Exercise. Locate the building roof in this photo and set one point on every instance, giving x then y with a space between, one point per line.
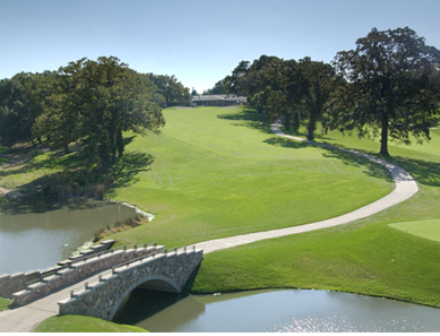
220 97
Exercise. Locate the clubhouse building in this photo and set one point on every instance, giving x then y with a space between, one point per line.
217 100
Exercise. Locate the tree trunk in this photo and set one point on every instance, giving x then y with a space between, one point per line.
296 120
111 136
104 153
120 142
66 149
105 166
384 135
311 126
287 121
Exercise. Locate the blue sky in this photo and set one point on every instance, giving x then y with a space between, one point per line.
200 42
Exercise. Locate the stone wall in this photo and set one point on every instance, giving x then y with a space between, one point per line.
13 283
103 298
77 271
10 284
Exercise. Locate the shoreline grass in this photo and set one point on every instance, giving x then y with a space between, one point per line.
78 323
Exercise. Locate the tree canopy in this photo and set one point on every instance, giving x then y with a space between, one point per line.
285 88
89 103
173 92
391 86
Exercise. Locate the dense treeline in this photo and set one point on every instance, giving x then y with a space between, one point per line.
87 103
388 86
169 92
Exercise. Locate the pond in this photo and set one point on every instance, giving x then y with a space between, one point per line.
35 235
274 311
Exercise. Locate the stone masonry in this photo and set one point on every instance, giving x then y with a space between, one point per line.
164 271
10 284
75 272
14 283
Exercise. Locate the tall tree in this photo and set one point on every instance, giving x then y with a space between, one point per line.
21 102
62 120
116 99
93 103
390 86
316 83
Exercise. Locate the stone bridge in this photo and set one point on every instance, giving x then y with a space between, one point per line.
163 271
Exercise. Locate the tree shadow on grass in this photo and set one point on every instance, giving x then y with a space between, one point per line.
249 118
424 172
42 205
51 191
371 169
128 140
125 171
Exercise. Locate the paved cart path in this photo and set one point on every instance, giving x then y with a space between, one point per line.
405 188
27 317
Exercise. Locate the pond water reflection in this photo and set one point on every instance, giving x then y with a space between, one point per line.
36 234
274 311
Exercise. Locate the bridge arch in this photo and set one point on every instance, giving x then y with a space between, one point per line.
153 282
163 272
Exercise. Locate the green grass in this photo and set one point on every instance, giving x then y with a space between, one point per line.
5 304
367 256
76 323
221 172
37 166
428 229
370 259
3 160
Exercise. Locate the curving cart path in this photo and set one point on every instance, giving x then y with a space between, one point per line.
405 188
24 319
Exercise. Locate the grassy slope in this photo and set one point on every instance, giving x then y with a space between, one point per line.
221 172
75 323
367 256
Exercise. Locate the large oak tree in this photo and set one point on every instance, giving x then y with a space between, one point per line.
391 87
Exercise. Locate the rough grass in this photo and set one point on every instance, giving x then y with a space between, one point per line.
37 166
5 304
219 173
367 256
76 323
428 229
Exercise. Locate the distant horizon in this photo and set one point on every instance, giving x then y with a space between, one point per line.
197 41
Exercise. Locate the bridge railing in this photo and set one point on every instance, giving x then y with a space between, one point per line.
164 251
132 261
86 258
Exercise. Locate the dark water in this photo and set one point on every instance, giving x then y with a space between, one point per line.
275 311
36 235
